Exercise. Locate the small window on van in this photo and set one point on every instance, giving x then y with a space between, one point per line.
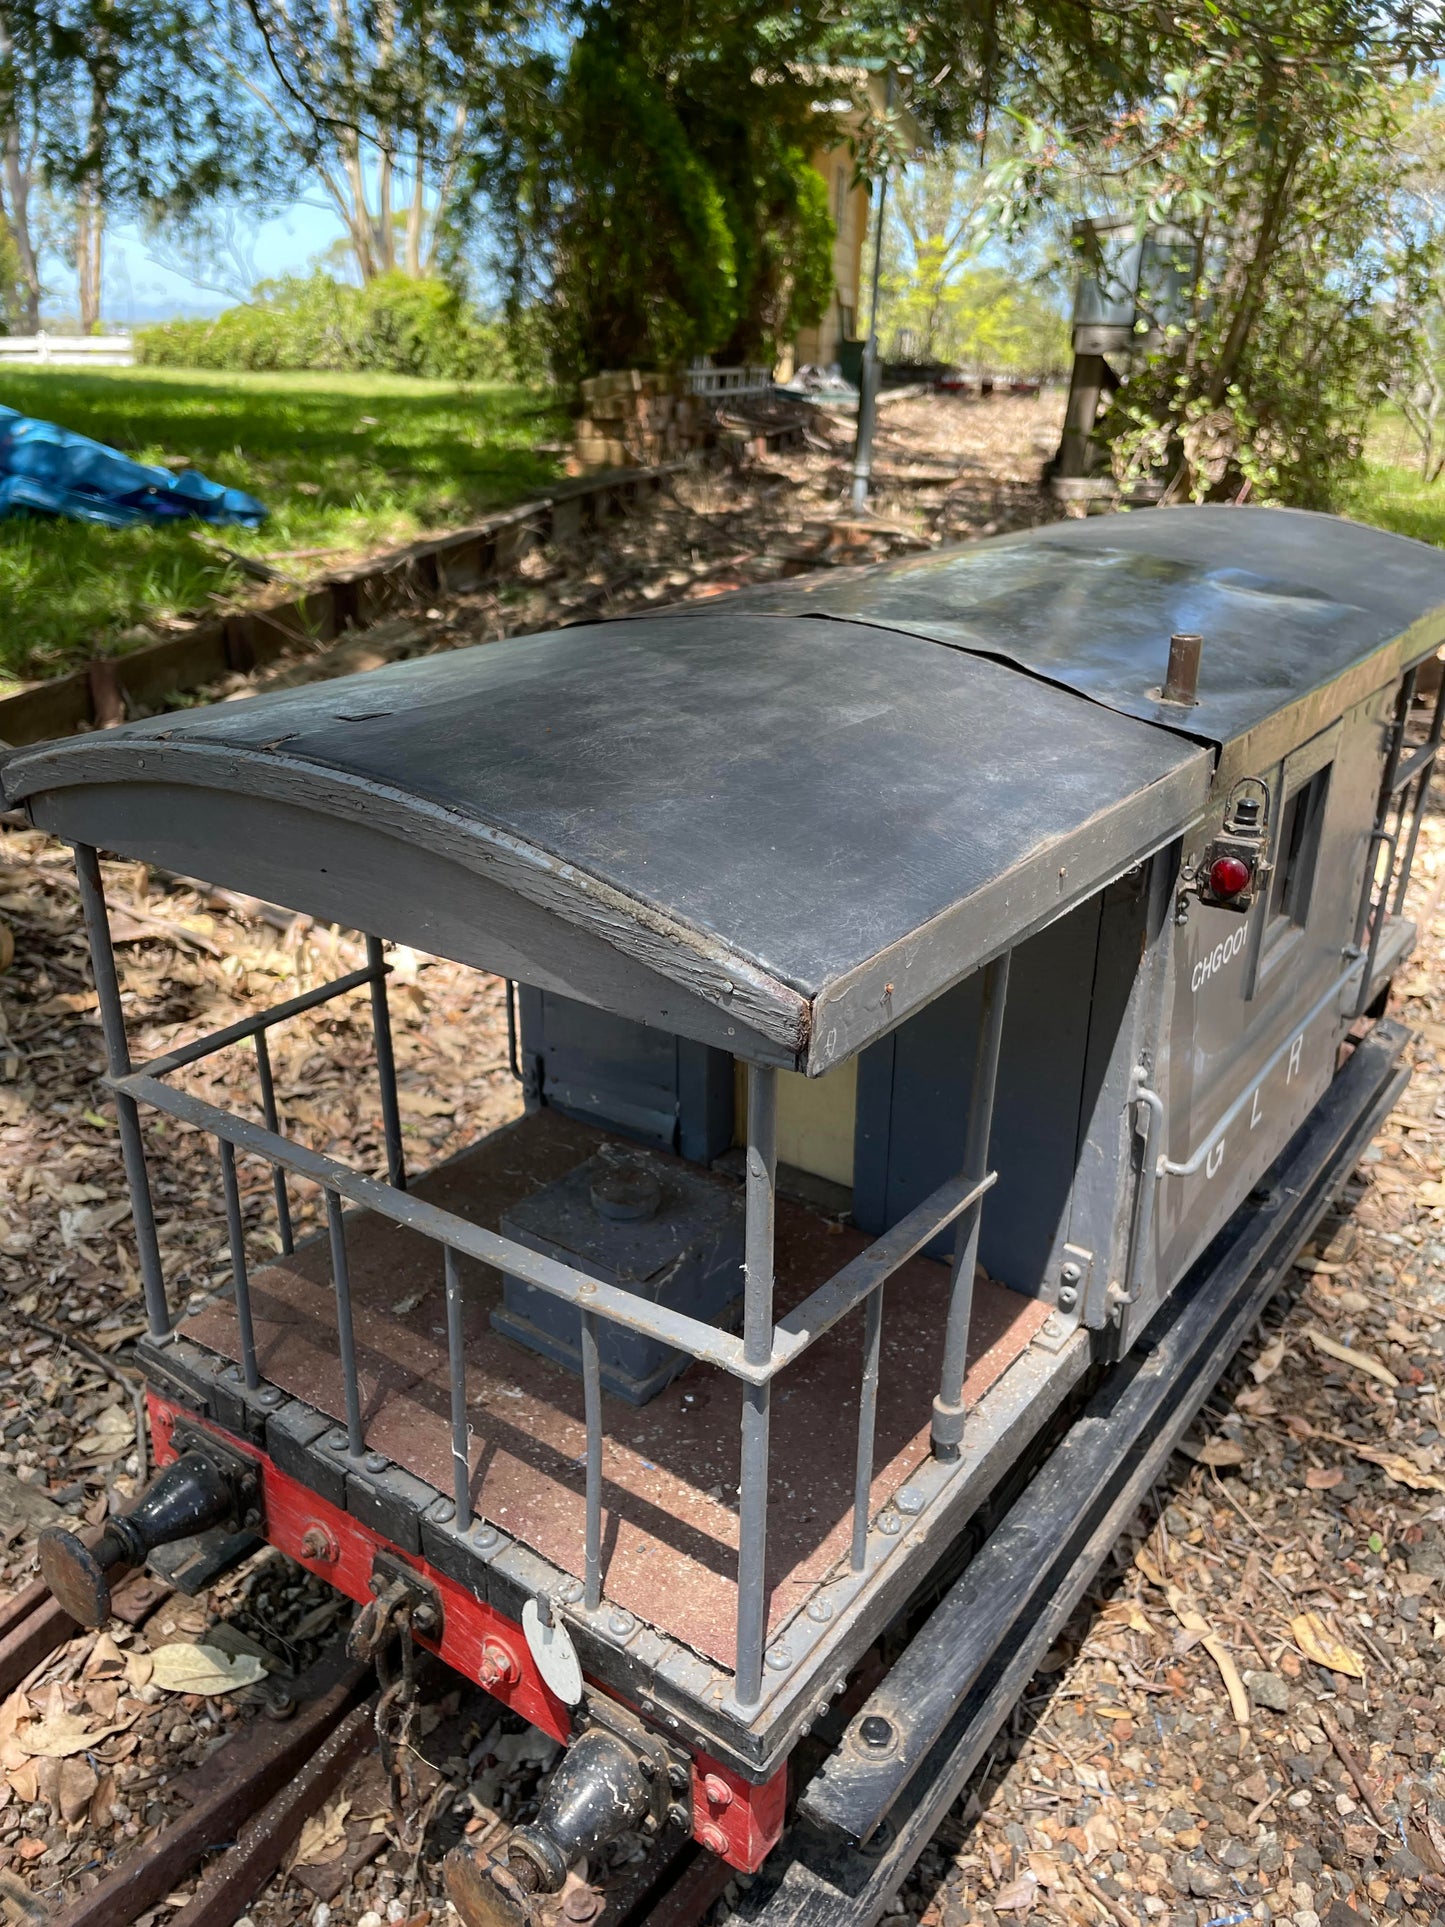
1297 852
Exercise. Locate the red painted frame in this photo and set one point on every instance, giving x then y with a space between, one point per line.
732 1817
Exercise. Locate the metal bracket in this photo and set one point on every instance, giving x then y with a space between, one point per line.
402 1601
240 1471
667 1770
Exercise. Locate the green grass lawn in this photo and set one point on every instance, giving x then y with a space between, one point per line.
1392 493
345 463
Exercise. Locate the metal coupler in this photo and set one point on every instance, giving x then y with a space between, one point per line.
200 1489
609 1780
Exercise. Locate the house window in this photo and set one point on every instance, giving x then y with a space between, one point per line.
1296 853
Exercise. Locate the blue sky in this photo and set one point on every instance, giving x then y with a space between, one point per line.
138 288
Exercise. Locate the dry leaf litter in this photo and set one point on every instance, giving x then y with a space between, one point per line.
1246 1719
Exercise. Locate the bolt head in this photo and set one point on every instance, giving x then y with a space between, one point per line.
779 1659
712 1837
375 1461
717 1790
271 1397
1068 1297
336 1441
875 1732
1070 1273
440 1511
820 1611
620 1624
909 1499
678 1815
890 1523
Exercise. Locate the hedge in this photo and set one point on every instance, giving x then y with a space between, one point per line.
392 325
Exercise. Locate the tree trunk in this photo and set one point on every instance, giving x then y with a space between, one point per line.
416 218
17 204
89 249
1266 233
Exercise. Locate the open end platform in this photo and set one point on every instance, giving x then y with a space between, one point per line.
671 1467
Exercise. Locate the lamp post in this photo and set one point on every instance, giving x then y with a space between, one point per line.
868 388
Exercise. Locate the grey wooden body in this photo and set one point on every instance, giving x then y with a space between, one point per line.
816 825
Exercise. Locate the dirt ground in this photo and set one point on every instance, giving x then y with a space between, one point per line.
1246 1720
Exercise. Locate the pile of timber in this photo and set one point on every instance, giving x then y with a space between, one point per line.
631 420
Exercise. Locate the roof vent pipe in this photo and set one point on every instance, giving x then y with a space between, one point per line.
1181 680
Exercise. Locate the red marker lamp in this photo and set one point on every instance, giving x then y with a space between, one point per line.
1229 876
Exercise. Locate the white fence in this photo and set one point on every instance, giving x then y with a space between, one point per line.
718 384
67 351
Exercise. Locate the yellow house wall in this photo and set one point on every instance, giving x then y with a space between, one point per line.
816 1118
848 204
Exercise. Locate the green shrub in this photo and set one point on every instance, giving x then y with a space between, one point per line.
392 325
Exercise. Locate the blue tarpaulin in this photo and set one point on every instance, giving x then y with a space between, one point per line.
52 470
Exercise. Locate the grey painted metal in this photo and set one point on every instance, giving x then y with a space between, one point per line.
867 1429
1167 1167
675 820
266 1084
761 1185
385 1064
240 1276
948 1407
117 1051
1422 770
592 1414
690 1334
457 1377
345 1331
1286 602
914 1093
685 1253
1236 1290
857 1280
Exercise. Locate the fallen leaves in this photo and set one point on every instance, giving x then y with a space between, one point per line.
323 1838
62 1733
1346 1355
183 1668
1193 1621
1317 1642
1271 1357
1401 1470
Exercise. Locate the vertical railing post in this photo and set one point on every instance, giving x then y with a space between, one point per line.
948 1411
385 1064
592 1413
345 1332
273 1123
117 1050
867 1426
457 1371
762 1173
1422 790
240 1277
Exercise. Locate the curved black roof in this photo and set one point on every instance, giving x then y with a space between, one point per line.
756 828
1285 600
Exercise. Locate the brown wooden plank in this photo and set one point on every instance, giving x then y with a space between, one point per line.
39 1633
263 1759
235 1879
55 708
21 1604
